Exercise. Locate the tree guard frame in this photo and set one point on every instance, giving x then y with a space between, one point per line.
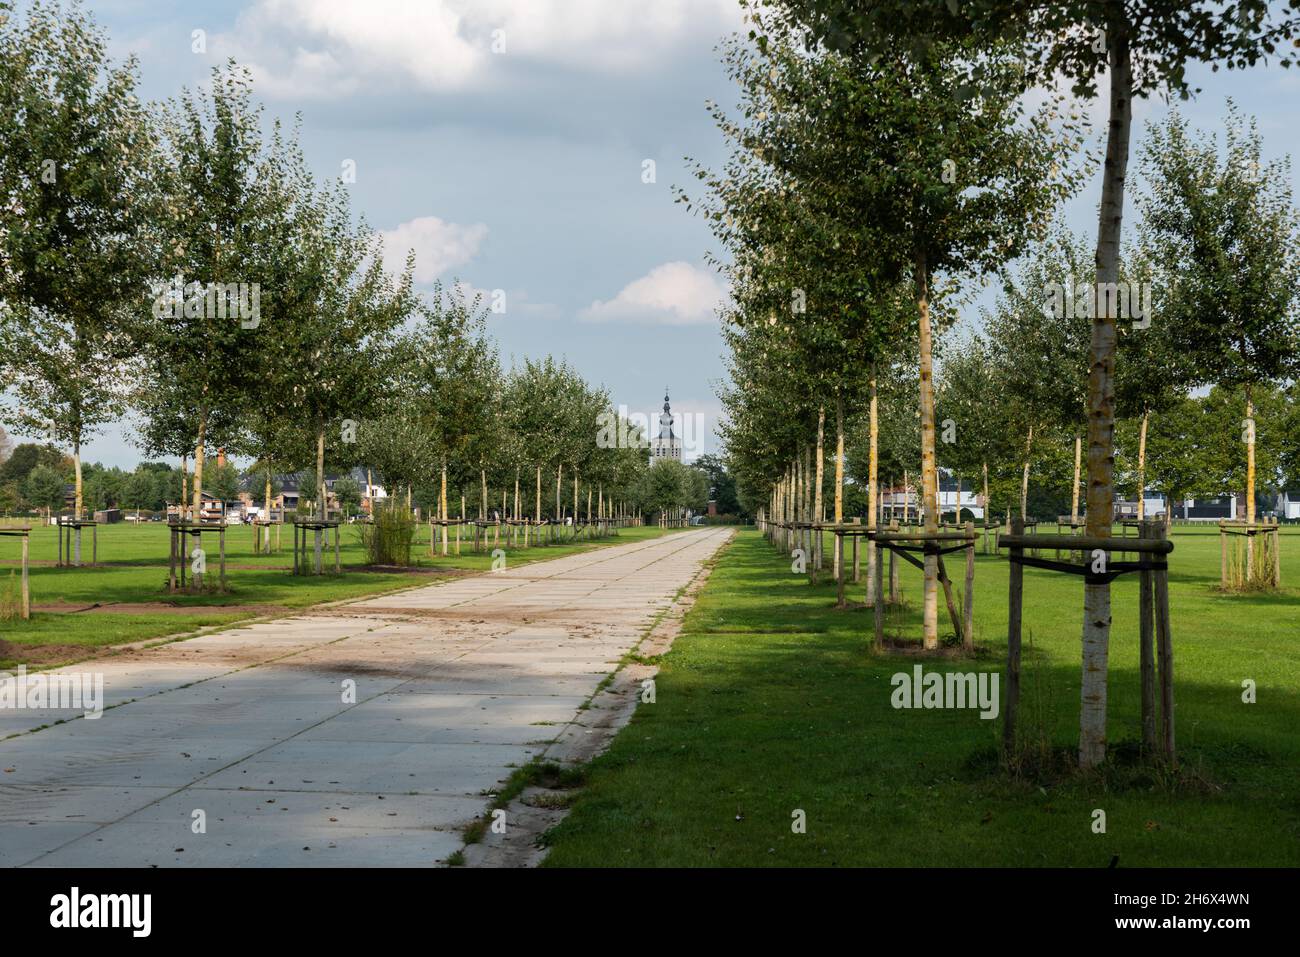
25 598
1152 567
180 554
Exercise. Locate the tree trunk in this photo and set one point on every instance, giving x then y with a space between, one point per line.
1101 400
987 509
322 506
1142 466
1024 479
442 507
820 475
483 506
873 487
185 479
839 486
199 454
929 474
76 465
1250 459
559 474
1074 489
1250 485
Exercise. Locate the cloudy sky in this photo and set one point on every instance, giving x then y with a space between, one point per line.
506 141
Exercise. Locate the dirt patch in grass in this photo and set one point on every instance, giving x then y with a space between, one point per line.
43 654
158 607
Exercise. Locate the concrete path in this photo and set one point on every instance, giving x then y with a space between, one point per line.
456 684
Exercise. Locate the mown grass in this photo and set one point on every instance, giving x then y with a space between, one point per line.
133 571
770 702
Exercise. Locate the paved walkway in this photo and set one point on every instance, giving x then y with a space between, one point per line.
455 684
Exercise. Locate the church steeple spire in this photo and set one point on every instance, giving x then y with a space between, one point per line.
666 445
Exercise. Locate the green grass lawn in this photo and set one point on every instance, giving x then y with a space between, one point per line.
133 572
770 702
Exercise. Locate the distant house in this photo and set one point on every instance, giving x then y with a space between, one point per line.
1285 505
212 509
1153 506
956 504
252 493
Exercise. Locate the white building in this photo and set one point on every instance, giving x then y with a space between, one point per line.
667 444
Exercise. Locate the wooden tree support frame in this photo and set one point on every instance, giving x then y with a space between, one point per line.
1152 547
907 545
1259 565
262 536
25 595
181 554
70 550
301 565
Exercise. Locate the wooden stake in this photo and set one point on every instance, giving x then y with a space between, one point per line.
27 595
1165 649
879 601
968 610
1015 595
1146 651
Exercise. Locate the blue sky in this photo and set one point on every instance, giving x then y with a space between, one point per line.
521 169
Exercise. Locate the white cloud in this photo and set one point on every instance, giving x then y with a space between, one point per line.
439 246
320 48
674 294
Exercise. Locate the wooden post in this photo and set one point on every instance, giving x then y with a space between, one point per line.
1015 597
839 569
880 595
1165 650
1277 554
893 568
1223 556
947 596
968 610
1146 648
27 595
856 566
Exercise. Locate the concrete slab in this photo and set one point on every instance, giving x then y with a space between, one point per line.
363 735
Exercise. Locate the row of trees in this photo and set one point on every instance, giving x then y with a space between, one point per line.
885 162
179 262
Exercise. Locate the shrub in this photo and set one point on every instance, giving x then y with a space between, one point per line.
387 537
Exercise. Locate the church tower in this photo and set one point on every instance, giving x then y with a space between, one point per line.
667 445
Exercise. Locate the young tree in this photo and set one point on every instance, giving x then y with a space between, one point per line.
44 489
975 403
75 154
348 494
1146 45
1040 330
956 186
448 373
1230 230
329 360
217 199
